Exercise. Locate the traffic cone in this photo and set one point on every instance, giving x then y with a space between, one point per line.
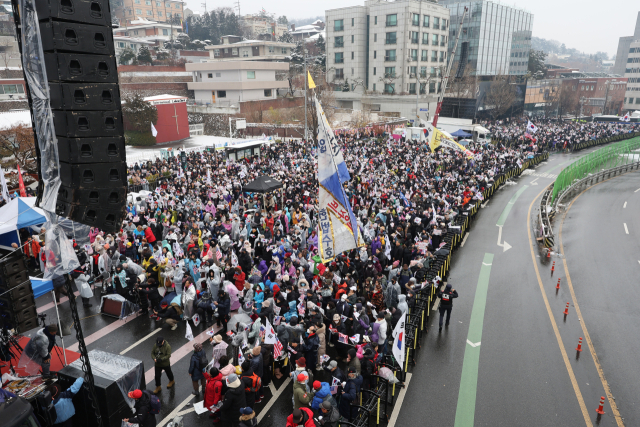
558 285
600 409
566 310
579 344
553 267
548 253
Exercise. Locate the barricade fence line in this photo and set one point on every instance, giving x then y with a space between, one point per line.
375 405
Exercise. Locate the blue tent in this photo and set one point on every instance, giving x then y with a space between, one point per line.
461 133
18 213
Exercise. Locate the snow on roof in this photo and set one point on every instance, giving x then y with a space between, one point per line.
13 118
132 39
165 96
305 29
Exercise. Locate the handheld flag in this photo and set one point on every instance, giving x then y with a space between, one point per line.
277 348
189 334
436 138
270 335
218 254
23 191
154 132
240 357
355 339
398 340
291 350
531 127
312 84
625 118
5 189
234 259
343 338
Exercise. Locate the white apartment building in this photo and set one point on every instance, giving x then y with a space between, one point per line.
151 31
380 54
255 25
230 82
123 42
233 48
632 73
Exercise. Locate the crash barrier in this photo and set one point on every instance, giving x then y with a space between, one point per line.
601 141
605 158
545 216
374 406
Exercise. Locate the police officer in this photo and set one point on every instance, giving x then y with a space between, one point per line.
446 303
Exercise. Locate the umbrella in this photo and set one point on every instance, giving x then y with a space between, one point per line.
461 133
262 184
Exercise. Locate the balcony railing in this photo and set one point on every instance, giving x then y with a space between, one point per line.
441 59
339 60
391 24
338 44
390 41
338 28
436 26
389 58
415 40
339 76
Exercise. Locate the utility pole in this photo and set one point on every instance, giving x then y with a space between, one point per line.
304 50
205 7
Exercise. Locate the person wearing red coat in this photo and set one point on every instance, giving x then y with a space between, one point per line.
213 391
239 278
148 234
301 417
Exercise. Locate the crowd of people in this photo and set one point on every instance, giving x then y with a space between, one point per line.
198 251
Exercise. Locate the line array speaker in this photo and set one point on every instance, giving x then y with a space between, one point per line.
17 303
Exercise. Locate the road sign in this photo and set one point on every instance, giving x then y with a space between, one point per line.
424 109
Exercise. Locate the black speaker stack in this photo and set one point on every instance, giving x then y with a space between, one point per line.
79 55
17 305
464 58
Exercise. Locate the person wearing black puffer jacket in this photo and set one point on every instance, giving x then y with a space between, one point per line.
446 303
143 417
234 400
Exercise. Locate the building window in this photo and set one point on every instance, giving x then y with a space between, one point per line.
137 1
415 37
222 94
425 56
149 13
245 53
138 11
234 51
425 38
169 14
436 23
425 21
352 71
352 55
210 75
412 71
267 93
390 38
392 20
158 4
444 24
374 85
374 71
389 72
165 32
339 42
434 39
216 52
251 74
353 38
284 50
135 32
414 54
338 25
218 74
390 55
412 88
339 58
147 2
415 19
434 56
167 4
339 73
374 54
159 14
423 71
272 49
423 88
630 100
637 100
353 21
121 44
389 88
432 87
375 22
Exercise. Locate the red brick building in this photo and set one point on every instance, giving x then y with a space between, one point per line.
598 95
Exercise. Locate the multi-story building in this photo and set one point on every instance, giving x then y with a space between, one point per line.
256 25
234 49
147 30
161 11
498 36
632 74
121 43
232 82
380 54
307 31
595 93
624 44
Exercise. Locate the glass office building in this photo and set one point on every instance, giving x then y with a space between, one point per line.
498 36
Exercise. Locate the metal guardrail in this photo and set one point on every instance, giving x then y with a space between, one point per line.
604 158
545 216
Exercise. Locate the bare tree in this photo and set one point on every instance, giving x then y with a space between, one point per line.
7 52
501 96
464 87
568 102
17 147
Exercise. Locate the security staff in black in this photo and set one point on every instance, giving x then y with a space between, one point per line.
446 303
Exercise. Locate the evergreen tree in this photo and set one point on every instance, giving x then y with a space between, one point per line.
286 37
144 56
320 44
138 113
127 55
283 20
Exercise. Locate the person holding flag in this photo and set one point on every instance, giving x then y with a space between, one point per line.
446 303
531 128
398 349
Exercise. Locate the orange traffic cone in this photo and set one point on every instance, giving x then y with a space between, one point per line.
600 409
579 344
566 309
553 267
558 285
548 253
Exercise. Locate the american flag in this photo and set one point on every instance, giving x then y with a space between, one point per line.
262 330
218 254
343 338
277 349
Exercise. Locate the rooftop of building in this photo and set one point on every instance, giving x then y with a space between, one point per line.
588 75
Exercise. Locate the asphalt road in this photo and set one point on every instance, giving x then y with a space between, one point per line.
508 358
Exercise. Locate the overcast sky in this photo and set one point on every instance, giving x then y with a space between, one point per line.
587 25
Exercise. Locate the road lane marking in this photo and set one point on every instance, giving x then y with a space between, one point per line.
505 246
507 209
625 205
626 230
273 399
398 405
594 355
132 346
52 304
466 407
636 190
464 240
103 332
554 325
176 411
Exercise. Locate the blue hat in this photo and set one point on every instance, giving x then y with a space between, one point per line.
246 410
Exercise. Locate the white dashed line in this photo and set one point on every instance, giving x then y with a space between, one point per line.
624 206
637 190
626 230
464 240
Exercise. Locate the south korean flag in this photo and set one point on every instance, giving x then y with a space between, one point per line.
531 127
